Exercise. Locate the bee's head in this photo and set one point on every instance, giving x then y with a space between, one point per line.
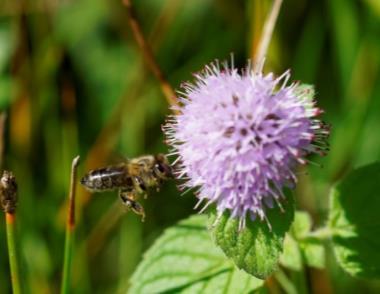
91 184
86 182
162 167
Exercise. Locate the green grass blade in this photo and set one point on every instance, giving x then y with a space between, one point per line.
70 230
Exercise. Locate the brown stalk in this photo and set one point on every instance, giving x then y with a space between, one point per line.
148 54
266 36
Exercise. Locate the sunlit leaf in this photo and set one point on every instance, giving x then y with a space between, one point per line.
184 260
300 250
313 253
291 256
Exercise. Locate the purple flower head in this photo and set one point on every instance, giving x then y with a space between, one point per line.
239 137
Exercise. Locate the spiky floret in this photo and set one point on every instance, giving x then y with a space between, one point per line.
239 136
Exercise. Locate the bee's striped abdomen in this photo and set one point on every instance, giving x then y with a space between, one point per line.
108 178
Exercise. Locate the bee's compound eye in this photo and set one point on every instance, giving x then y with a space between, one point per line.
83 180
160 168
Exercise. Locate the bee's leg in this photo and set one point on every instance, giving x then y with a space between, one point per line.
139 184
135 207
158 185
128 199
159 182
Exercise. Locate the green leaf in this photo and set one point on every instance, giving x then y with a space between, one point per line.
355 222
299 249
291 256
301 225
311 250
313 253
256 249
184 260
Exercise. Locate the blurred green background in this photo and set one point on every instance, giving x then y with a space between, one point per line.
73 81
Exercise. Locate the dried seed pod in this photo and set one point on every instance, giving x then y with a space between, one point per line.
8 192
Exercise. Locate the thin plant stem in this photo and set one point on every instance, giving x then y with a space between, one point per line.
8 197
10 219
3 117
267 33
303 280
70 229
300 278
285 282
148 54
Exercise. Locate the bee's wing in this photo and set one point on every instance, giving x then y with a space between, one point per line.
117 158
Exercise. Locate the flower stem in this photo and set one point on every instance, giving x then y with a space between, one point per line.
285 282
304 284
3 117
148 54
8 201
70 229
267 33
10 219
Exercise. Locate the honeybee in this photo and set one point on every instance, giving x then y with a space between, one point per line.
132 179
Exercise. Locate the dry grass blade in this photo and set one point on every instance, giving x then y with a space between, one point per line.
148 54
